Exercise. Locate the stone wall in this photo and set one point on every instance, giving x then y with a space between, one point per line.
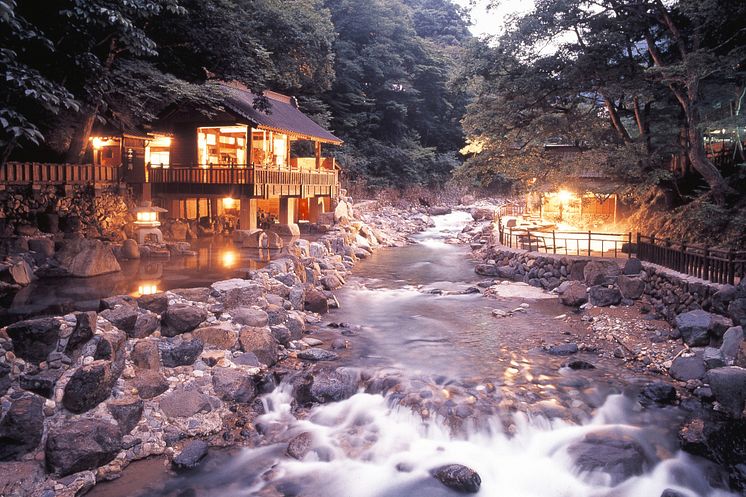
667 292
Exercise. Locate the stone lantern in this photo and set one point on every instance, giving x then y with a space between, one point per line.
147 223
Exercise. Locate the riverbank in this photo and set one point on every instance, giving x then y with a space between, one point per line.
85 394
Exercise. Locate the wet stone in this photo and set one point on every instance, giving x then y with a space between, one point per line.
299 446
127 411
458 477
21 427
178 352
315 354
34 339
658 392
563 349
181 318
123 317
191 455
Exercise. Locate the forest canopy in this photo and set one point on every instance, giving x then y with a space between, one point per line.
376 71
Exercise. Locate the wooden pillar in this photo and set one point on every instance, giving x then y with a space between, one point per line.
288 210
247 213
173 205
615 207
213 207
315 208
318 155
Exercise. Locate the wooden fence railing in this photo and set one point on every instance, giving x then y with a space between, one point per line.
701 261
239 175
23 173
580 243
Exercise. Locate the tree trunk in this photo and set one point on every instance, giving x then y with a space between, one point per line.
703 165
616 120
79 140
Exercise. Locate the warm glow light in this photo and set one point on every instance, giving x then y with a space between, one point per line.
97 142
229 203
229 258
147 217
147 289
564 195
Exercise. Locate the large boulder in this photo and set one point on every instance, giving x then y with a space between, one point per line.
260 342
574 293
250 316
737 311
729 388
17 272
150 383
315 301
325 386
82 257
617 455
694 327
81 444
604 296
22 426
233 385
34 339
146 324
632 267
731 349
181 318
130 249
482 214
127 412
178 352
601 272
238 292
191 455
688 368
262 240
458 477
90 385
631 287
184 403
222 336
156 302
85 325
145 355
123 317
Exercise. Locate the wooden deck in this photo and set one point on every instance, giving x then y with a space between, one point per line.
251 181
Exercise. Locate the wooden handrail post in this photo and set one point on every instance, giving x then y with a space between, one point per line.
589 243
731 269
554 242
706 269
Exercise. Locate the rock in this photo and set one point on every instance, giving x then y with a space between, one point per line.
156 302
250 316
458 477
116 301
315 354
238 292
42 383
330 282
191 455
737 311
617 455
260 342
343 212
574 294
729 388
197 294
315 301
81 444
130 249
601 272
281 334
90 385
247 359
218 337
657 392
42 246
182 403
732 344
632 266
688 368
150 384
299 445
579 365
563 349
127 412
123 317
694 326
145 354
631 287
603 296
181 318
482 214
34 339
22 426
145 325
85 325
82 257
439 210
179 352
669 492
17 272
233 385
713 358
325 386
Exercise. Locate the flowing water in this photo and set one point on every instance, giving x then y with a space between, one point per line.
455 385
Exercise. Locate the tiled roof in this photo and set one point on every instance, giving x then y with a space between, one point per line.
283 114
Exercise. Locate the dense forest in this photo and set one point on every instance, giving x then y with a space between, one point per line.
376 71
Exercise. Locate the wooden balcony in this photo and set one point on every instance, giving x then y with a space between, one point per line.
40 173
242 180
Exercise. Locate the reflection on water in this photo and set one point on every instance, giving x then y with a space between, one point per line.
217 258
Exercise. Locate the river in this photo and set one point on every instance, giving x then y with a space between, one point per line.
458 386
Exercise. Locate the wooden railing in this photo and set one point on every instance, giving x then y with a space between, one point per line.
580 243
240 175
701 261
25 173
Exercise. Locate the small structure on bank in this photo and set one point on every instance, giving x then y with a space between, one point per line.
585 199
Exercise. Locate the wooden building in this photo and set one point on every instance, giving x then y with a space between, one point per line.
242 159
